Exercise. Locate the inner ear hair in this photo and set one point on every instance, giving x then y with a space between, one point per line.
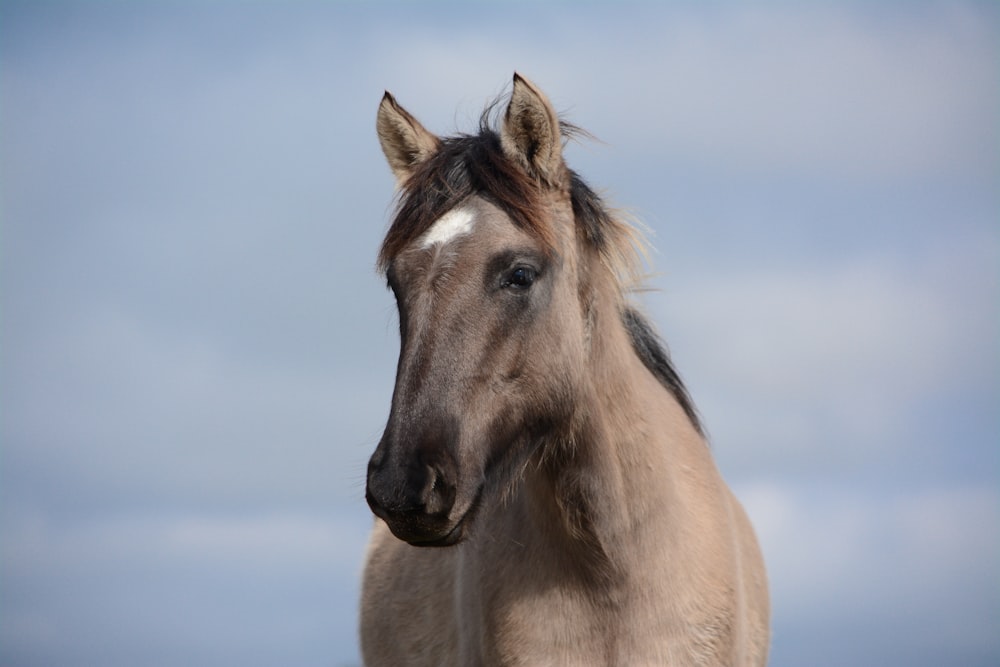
405 142
530 134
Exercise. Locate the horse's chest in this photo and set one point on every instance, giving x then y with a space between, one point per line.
518 611
539 615
552 630
547 628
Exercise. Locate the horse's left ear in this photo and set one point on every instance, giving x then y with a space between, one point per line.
530 134
405 142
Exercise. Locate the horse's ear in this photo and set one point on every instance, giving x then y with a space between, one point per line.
405 142
530 134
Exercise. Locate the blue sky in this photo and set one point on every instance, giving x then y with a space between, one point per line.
196 356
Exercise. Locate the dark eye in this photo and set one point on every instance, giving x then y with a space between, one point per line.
520 278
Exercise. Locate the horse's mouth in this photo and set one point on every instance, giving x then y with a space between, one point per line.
455 534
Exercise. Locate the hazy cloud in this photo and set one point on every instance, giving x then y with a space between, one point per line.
878 563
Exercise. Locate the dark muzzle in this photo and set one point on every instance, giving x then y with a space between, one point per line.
413 490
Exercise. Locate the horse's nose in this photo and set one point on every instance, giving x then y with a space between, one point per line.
414 498
421 489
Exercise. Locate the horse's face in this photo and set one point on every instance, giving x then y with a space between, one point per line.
491 327
491 345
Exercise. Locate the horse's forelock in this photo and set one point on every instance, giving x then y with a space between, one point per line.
465 166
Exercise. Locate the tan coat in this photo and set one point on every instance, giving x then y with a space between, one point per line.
540 434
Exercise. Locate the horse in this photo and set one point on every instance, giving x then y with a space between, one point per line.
543 490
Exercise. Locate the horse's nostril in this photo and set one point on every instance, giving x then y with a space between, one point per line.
413 482
427 490
438 494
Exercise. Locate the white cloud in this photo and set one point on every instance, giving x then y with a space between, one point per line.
889 560
825 89
788 360
156 588
163 416
267 542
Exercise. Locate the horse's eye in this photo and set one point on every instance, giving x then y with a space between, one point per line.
520 278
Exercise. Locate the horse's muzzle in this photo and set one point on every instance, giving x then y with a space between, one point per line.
415 501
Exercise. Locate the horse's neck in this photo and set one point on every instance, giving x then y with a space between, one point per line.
610 485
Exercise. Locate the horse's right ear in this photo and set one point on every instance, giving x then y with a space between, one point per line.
405 142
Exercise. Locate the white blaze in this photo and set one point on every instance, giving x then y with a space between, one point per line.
454 223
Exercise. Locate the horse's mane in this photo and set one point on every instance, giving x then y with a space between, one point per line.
654 355
475 164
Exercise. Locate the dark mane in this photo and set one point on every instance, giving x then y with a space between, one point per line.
475 165
654 355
